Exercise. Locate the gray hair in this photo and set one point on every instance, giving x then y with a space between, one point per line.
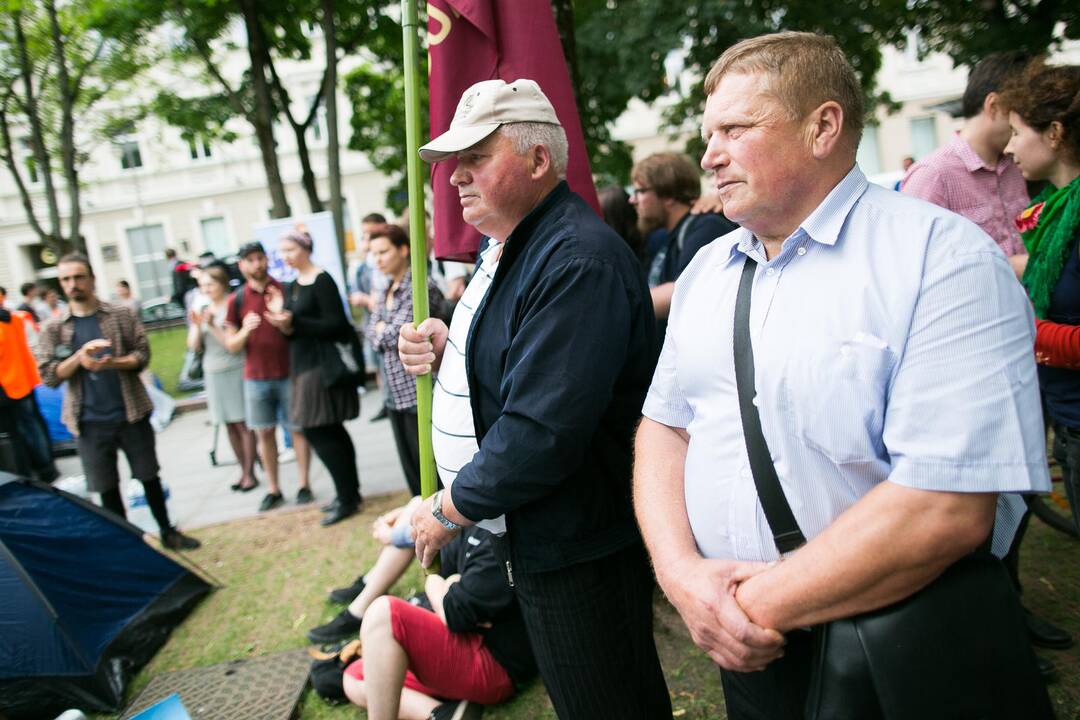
525 135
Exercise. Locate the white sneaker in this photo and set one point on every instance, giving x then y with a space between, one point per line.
286 455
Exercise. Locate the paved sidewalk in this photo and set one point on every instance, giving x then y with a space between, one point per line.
200 493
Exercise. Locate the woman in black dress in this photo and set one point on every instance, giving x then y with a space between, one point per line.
312 315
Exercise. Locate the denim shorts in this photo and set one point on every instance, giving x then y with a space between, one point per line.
266 403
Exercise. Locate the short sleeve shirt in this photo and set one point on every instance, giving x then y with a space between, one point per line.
267 350
891 342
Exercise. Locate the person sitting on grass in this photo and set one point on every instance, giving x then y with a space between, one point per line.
392 530
469 650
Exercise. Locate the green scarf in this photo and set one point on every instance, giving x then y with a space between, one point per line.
1055 213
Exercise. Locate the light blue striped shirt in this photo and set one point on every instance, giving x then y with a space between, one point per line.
891 342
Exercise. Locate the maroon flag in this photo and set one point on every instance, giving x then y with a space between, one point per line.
474 40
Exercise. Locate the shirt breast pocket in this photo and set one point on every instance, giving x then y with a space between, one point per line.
841 412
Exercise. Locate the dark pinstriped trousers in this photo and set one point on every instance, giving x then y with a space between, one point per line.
590 626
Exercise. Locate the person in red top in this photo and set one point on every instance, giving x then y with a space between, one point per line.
266 373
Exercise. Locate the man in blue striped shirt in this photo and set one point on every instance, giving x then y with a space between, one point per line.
894 373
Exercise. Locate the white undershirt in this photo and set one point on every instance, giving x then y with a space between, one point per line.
453 436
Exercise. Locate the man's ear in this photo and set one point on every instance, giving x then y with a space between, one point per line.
540 161
826 126
990 104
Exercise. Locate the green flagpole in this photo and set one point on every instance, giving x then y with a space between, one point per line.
417 233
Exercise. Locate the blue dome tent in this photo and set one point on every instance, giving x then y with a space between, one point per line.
84 602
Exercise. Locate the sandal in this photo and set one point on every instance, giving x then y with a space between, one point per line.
240 487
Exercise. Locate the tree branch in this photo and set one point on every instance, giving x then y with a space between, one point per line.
80 75
13 167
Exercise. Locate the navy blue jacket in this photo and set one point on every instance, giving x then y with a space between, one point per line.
559 358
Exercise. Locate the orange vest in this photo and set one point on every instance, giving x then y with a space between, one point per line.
18 369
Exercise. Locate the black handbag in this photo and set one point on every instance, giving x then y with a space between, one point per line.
957 649
327 674
341 362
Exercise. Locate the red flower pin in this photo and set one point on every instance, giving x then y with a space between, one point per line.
1028 219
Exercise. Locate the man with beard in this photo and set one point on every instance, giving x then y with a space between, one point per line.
665 187
266 374
100 349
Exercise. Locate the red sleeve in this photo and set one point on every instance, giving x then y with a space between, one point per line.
1057 344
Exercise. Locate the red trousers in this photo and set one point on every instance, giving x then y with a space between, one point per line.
443 664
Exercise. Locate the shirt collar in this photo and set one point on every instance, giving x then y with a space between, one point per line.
66 314
823 225
971 160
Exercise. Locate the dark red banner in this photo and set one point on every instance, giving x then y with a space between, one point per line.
474 40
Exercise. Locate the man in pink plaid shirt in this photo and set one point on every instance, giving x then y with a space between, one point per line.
971 175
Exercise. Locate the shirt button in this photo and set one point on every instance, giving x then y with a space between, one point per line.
770 271
745 472
801 251
845 350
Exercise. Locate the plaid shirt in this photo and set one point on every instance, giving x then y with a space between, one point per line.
954 177
402 385
118 325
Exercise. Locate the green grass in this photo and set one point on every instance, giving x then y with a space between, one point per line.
277 569
167 347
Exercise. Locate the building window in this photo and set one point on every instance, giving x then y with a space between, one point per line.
215 237
923 136
28 159
868 157
130 157
198 147
153 276
318 125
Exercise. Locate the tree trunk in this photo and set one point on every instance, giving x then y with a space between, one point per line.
332 142
51 238
262 116
307 175
67 131
564 21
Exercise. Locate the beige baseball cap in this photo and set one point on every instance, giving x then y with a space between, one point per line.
483 108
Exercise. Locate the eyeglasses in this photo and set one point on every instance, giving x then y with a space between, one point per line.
640 191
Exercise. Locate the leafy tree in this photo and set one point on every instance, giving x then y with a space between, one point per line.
969 30
58 61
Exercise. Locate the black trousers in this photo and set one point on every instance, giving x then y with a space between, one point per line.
335 448
590 626
407 438
779 691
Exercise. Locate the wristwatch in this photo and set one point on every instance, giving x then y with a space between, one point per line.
436 511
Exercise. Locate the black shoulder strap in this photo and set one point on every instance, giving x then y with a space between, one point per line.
785 529
238 302
680 239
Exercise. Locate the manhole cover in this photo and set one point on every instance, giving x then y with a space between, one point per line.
260 688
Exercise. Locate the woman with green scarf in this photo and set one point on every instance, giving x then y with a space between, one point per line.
1044 106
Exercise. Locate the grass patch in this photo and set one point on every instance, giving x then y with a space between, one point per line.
167 347
277 569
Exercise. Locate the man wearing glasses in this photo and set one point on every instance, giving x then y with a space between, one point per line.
665 187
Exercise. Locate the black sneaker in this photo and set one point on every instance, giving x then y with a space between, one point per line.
457 710
304 496
330 506
176 540
271 501
348 594
343 626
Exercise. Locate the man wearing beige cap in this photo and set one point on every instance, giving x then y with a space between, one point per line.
541 376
